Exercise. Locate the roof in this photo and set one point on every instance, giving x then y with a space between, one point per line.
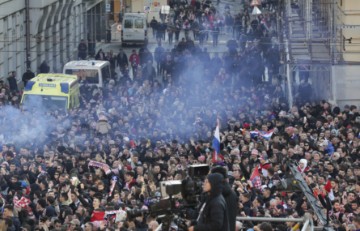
86 63
51 84
57 78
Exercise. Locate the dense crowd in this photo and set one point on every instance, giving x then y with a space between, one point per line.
110 155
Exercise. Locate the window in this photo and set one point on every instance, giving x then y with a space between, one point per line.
139 23
45 102
128 23
89 76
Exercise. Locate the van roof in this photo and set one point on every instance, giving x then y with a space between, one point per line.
55 78
86 63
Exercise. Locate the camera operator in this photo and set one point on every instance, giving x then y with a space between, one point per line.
213 213
229 196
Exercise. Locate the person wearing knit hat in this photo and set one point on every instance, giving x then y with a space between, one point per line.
213 213
229 196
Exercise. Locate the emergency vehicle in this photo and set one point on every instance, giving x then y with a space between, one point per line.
92 72
134 29
51 92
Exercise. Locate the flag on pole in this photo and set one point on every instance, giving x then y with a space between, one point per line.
266 135
255 178
216 157
254 134
329 190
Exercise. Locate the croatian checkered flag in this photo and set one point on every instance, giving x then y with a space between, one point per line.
216 156
22 203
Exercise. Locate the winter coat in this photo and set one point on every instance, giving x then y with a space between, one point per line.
232 205
214 216
103 126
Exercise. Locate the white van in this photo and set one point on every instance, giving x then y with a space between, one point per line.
134 28
93 72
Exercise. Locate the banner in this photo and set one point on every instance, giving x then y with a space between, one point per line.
101 165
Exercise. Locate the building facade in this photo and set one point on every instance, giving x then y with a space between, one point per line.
46 30
323 38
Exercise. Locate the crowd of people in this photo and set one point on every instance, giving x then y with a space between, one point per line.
89 165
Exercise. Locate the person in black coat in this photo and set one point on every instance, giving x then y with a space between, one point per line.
44 67
82 50
122 61
229 196
213 213
27 76
12 81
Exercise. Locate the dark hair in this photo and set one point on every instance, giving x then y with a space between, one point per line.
221 170
260 200
43 219
271 171
246 195
50 199
45 183
265 226
9 153
57 221
65 196
130 173
9 207
42 202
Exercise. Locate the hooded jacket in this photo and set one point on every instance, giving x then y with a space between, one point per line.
103 126
232 205
214 215
305 168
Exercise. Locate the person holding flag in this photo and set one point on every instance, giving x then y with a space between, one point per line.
216 156
255 178
264 164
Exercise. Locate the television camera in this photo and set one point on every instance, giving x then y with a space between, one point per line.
179 200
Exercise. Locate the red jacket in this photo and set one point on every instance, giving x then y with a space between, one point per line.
134 58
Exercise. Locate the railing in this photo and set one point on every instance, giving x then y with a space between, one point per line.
306 220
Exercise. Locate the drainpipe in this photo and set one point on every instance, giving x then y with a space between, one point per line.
27 33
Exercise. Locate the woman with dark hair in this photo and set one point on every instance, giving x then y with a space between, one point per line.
213 213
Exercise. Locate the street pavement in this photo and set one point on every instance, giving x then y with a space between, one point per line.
115 43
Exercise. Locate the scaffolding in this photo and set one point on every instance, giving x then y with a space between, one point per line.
310 47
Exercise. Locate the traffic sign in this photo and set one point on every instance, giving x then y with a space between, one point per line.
108 7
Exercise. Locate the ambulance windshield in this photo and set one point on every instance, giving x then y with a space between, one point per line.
46 102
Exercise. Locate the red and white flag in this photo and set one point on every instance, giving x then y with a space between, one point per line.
329 190
255 178
22 203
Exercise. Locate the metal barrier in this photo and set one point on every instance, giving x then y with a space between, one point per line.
306 220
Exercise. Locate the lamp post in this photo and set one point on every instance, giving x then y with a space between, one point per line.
27 34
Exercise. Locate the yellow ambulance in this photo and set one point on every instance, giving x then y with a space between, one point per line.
51 92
